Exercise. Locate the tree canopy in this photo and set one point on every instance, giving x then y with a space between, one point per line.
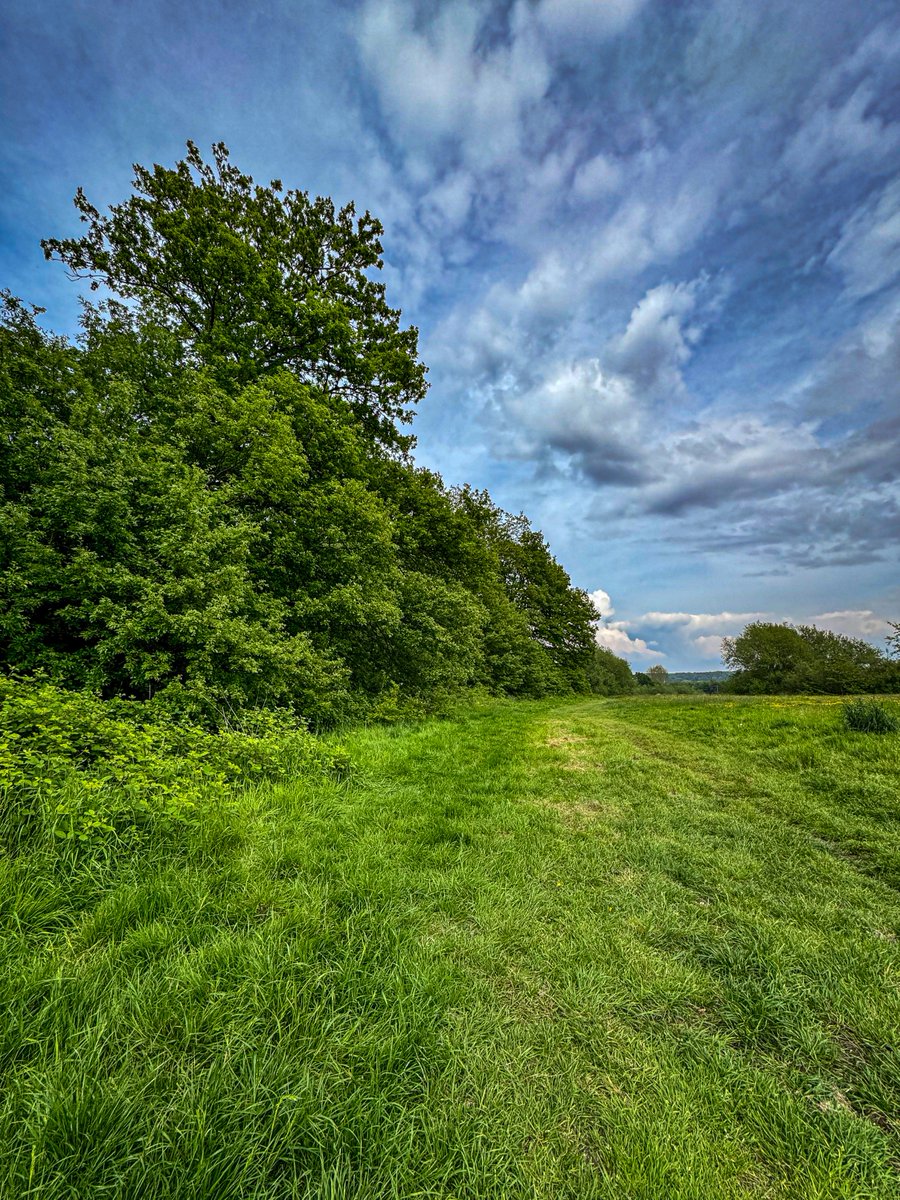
251 279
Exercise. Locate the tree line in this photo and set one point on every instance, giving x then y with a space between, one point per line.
208 500
771 658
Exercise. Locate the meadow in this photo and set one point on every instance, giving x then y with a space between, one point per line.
636 948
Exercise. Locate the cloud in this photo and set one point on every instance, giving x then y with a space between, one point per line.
861 372
692 623
584 414
861 623
833 141
438 80
580 20
692 635
657 341
722 460
597 176
777 479
591 415
614 637
868 251
709 645
601 602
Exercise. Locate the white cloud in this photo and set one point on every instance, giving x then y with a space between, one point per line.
688 636
614 637
861 623
602 602
598 176
835 140
695 622
436 82
709 645
842 130
446 205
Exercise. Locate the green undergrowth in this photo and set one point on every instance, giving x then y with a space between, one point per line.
622 949
76 767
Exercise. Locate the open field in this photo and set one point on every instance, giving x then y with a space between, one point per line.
626 949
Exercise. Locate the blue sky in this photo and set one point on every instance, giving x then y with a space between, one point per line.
652 247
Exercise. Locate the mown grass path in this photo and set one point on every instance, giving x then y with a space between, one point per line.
632 949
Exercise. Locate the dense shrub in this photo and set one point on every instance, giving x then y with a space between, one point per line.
79 767
869 716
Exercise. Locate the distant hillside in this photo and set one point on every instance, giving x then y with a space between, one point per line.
699 676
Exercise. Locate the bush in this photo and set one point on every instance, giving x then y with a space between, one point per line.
81 768
869 716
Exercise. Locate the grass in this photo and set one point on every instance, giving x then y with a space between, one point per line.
625 949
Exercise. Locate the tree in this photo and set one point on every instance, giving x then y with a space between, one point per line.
658 674
836 664
560 617
121 569
206 500
609 675
254 279
765 656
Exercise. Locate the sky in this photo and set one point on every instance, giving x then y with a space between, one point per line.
652 248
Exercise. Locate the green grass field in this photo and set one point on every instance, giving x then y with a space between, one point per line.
625 949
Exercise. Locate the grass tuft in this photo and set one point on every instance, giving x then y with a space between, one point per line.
869 716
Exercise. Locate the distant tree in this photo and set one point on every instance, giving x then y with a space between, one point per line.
836 664
893 639
658 674
768 657
764 656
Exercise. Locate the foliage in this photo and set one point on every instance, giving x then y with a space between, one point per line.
253 279
610 675
206 501
80 767
869 716
767 657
